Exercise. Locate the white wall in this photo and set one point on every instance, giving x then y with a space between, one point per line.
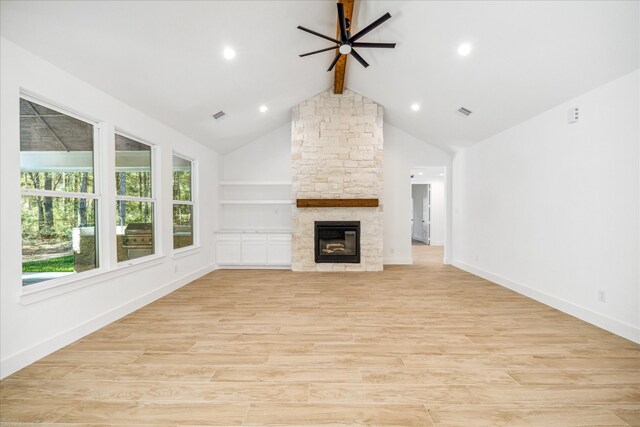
551 209
402 152
31 331
269 158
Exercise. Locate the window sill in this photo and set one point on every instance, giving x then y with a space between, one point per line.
185 252
83 280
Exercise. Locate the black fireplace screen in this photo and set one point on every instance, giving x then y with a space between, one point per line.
337 241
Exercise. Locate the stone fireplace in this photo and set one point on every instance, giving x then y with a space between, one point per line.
336 149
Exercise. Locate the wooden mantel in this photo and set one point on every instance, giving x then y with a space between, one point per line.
337 203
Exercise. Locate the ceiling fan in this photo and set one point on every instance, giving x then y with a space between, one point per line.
347 41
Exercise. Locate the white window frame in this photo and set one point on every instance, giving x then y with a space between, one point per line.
97 196
155 179
193 203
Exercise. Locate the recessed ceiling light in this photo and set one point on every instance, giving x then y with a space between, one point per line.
441 174
229 53
464 49
263 108
415 107
419 173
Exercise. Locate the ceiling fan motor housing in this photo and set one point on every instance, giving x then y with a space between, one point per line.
346 42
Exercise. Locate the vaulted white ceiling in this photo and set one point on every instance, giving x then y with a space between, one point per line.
165 58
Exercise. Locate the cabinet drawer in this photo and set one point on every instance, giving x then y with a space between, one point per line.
228 237
279 237
254 237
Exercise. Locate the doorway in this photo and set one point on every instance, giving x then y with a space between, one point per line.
428 211
421 221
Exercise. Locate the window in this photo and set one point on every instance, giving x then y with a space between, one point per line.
59 198
182 202
135 201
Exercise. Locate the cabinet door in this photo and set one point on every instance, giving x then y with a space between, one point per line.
279 250
228 249
254 249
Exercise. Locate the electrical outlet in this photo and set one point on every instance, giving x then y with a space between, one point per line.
477 257
392 251
573 115
602 295
175 268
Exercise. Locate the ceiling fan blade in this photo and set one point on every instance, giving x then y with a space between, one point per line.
318 51
335 61
342 23
318 34
385 45
369 27
359 58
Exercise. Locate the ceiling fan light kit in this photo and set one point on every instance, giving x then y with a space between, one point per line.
348 42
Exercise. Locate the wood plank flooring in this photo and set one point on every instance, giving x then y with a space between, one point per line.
421 345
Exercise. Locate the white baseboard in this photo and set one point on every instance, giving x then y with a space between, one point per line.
617 327
254 267
397 261
36 352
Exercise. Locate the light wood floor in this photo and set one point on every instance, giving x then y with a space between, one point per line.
415 345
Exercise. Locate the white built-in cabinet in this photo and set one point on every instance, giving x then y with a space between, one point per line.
253 248
256 225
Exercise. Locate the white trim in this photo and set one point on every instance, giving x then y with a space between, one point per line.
135 199
186 251
54 105
254 267
39 292
397 261
52 193
615 326
66 283
256 202
195 229
255 183
17 361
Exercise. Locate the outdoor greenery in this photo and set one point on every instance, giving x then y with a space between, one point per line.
182 185
53 217
48 221
59 264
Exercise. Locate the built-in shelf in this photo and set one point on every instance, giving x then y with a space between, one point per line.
254 183
256 202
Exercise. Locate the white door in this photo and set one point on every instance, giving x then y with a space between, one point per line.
426 215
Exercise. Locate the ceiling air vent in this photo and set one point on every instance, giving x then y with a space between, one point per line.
219 114
463 111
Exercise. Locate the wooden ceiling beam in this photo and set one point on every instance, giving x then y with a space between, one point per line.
341 66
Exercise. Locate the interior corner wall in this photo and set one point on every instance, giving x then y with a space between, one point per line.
550 209
31 331
401 153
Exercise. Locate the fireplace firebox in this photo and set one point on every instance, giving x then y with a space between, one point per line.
337 241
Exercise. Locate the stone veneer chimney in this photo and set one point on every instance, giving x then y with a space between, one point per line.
336 152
